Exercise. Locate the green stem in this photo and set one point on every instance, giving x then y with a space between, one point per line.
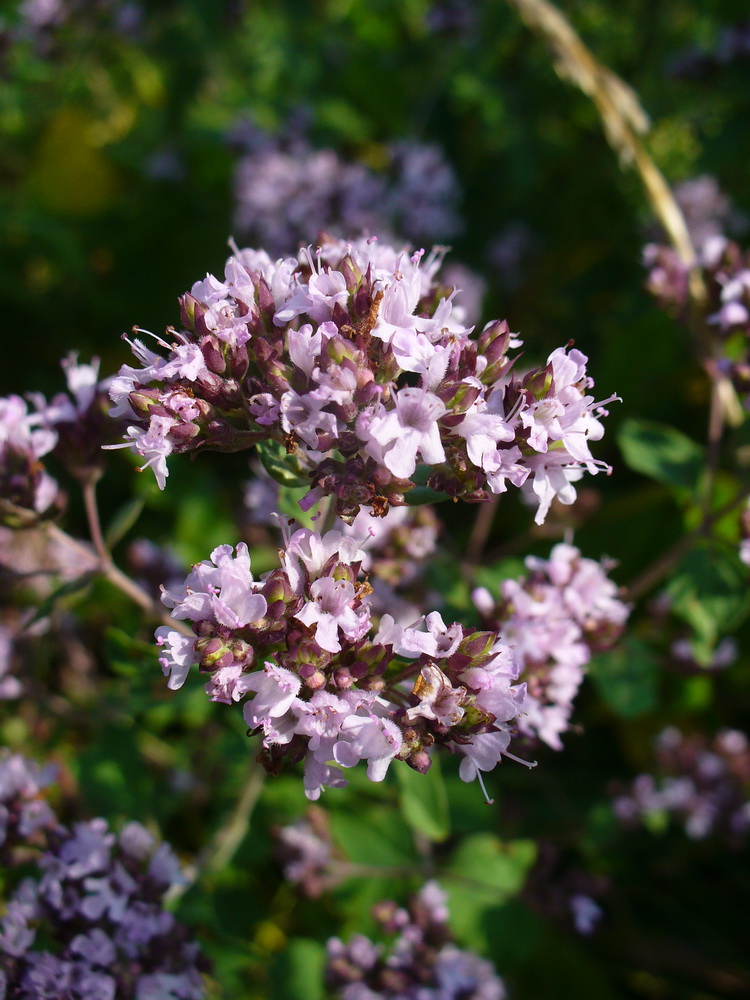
228 838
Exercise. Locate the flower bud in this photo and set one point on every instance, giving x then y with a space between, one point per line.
213 355
420 761
316 680
143 401
343 679
265 299
539 383
181 434
478 643
352 274
238 361
211 652
188 303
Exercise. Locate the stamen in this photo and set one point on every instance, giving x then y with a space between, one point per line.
518 760
487 799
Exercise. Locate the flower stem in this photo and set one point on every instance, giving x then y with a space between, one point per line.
661 566
480 531
228 838
118 579
94 522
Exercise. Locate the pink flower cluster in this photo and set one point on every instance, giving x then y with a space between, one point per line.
725 269
554 619
81 419
397 548
74 426
357 364
28 492
420 963
704 784
325 688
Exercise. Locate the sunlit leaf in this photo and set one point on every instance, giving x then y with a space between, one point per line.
661 452
424 800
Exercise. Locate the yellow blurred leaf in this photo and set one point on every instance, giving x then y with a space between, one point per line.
69 174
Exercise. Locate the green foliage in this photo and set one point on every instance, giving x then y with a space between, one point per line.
709 591
298 972
483 873
67 589
374 838
627 678
661 452
282 466
424 801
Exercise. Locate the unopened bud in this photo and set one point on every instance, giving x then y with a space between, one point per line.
420 761
343 679
539 383
213 355
211 652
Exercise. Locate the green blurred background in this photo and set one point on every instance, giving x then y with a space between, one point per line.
119 146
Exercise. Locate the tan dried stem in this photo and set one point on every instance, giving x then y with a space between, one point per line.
623 119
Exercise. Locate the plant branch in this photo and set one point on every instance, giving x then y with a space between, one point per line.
110 572
228 838
94 522
661 566
329 515
622 117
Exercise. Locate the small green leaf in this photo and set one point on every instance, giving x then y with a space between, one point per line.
421 495
299 971
379 839
284 468
661 453
47 606
424 800
627 678
709 591
484 873
123 521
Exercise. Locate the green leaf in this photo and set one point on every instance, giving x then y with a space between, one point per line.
424 800
709 591
627 678
484 873
284 468
123 521
421 495
47 606
661 453
379 839
299 971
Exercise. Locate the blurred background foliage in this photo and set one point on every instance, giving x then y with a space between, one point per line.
119 127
